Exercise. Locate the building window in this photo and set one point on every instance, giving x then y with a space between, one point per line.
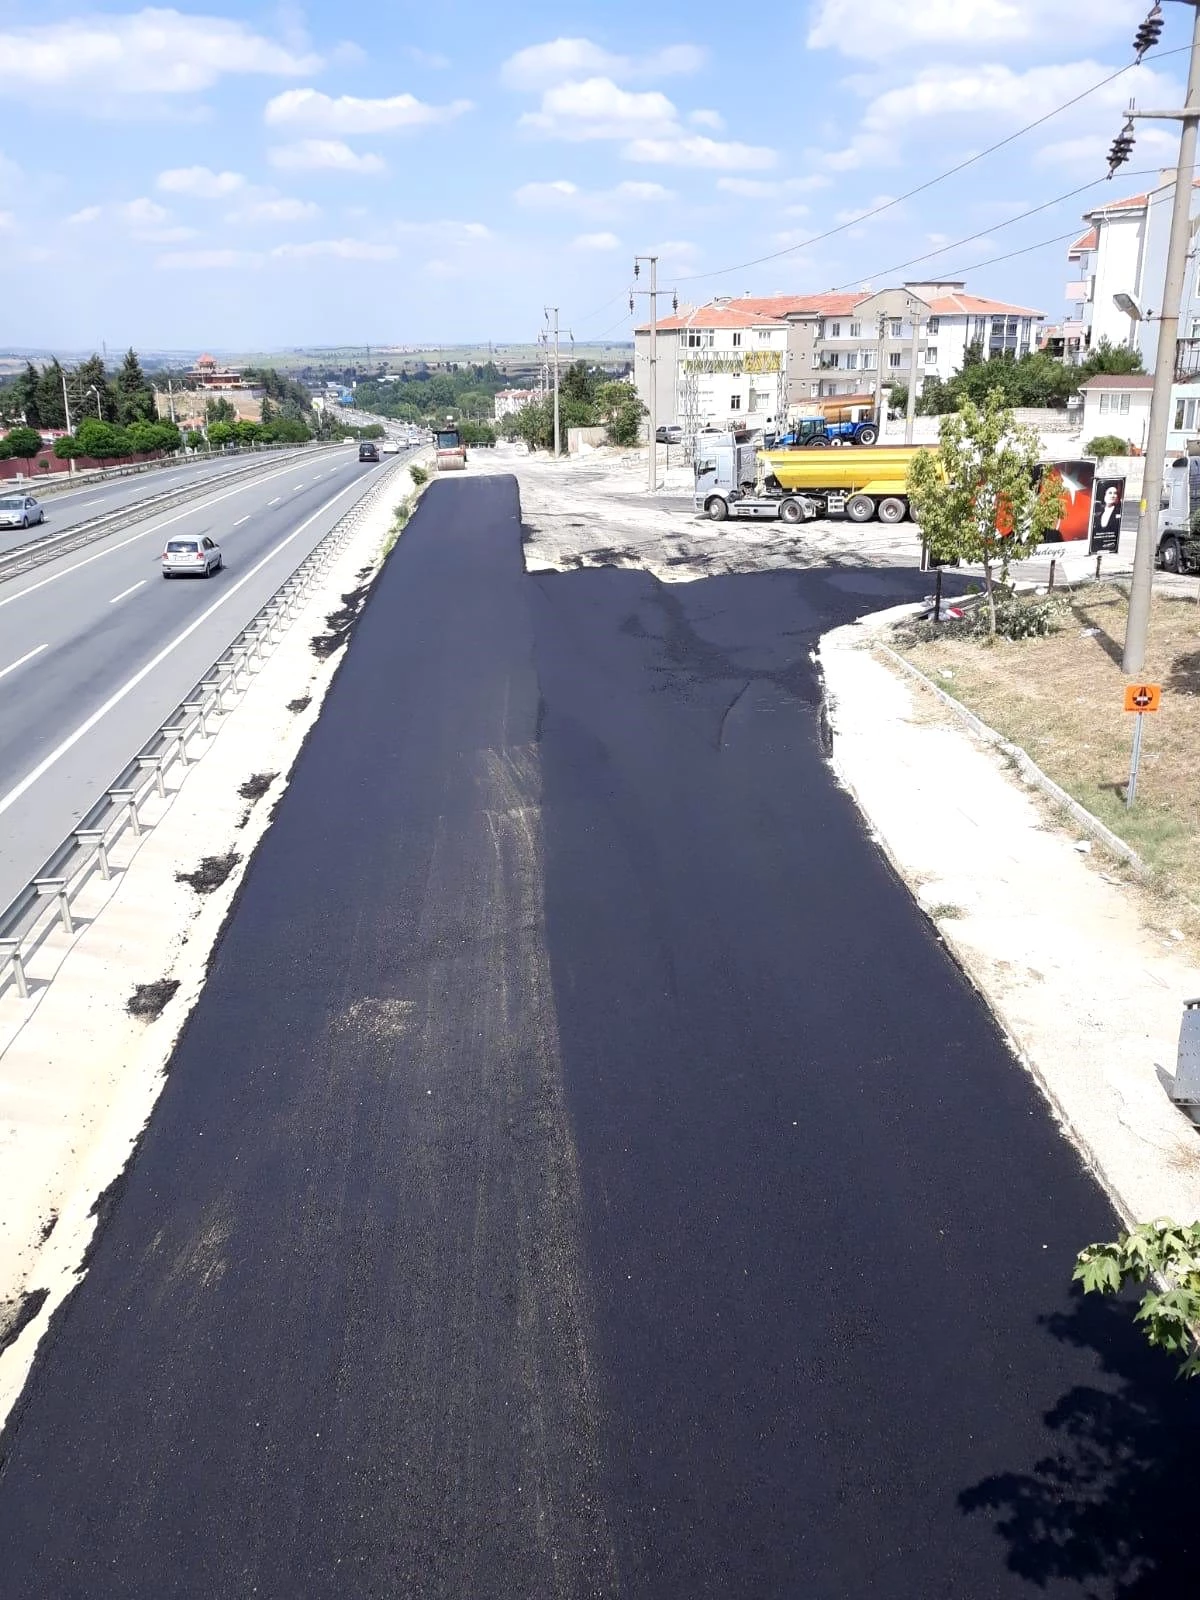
764 336
707 338
868 360
851 361
894 359
931 355
1195 333
693 338
1117 405
856 330
835 330
735 402
1185 415
933 324
737 340
896 328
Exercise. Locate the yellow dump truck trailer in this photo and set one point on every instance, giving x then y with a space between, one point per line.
860 483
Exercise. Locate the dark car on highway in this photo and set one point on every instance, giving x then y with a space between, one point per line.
367 451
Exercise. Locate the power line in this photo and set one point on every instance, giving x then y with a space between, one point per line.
929 183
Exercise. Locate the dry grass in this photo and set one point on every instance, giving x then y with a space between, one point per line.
1060 699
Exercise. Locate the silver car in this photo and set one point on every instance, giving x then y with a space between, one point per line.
20 511
192 557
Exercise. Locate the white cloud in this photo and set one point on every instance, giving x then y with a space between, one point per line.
707 119
694 150
597 204
880 29
142 212
281 210
323 155
86 215
596 241
597 109
772 188
994 95
857 213
542 65
207 260
202 182
428 58
149 52
338 249
309 108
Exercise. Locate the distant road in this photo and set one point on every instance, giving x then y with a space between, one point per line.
73 506
75 634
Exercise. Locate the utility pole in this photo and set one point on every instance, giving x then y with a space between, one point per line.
1138 624
652 453
67 414
910 411
552 311
881 329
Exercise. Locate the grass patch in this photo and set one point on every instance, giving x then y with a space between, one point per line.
419 475
1060 698
302 703
148 999
945 911
211 873
257 785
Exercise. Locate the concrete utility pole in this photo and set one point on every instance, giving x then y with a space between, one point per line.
653 292
67 414
1138 625
552 311
881 329
910 412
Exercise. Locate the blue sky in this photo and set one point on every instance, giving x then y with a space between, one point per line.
243 176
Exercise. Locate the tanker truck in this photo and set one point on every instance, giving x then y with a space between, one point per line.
734 479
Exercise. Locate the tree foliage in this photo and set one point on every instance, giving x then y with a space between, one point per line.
21 443
135 395
975 495
1166 1251
621 411
1036 379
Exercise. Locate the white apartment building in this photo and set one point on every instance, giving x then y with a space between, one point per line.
507 401
717 366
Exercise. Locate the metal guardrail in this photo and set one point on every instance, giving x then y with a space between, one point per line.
48 484
46 900
36 552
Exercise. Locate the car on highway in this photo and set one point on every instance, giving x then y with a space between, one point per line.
193 557
20 511
391 448
349 439
669 433
367 451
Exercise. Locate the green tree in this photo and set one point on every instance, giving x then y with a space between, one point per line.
577 383
1108 358
222 433
88 375
195 439
134 394
219 410
101 441
1163 1251
22 444
48 403
621 411
975 496
24 398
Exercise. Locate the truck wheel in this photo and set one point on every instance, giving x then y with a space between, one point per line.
892 509
818 443
791 511
1170 558
717 509
860 508
837 442
868 436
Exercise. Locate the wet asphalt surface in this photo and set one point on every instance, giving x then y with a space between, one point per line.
585 1173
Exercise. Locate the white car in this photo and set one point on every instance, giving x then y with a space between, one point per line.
391 448
191 558
20 511
349 439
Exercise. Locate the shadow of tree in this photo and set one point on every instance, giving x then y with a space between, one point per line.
1115 1507
1184 677
1088 612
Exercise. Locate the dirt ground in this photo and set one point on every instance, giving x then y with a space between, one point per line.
1060 699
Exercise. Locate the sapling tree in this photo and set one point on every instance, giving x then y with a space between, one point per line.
977 496
1164 1252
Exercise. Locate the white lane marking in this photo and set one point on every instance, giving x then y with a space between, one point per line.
296 486
85 727
276 500
134 537
139 585
88 503
240 520
28 656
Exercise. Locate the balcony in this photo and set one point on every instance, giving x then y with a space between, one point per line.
1187 360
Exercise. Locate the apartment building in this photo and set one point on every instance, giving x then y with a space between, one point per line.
719 365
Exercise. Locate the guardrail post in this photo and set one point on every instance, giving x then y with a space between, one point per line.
155 765
56 888
128 797
96 837
179 734
199 709
11 948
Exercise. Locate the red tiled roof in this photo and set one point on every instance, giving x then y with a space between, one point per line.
975 305
1085 241
716 317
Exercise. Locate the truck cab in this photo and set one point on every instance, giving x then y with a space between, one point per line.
1179 516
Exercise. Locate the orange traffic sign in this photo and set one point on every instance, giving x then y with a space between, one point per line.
1143 696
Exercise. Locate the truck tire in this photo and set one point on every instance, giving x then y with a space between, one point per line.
716 509
820 442
1170 556
837 442
791 511
892 509
868 435
860 508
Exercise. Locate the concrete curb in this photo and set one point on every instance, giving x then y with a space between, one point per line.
1029 769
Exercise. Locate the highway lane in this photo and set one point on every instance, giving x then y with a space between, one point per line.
75 632
588 1176
73 506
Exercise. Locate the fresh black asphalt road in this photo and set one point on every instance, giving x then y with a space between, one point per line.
585 1173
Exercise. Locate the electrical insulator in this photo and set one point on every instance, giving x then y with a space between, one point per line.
636 269
1121 149
674 302
1149 33
631 302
